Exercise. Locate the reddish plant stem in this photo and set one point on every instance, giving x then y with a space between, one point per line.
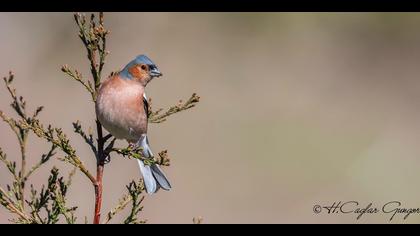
99 174
92 47
98 194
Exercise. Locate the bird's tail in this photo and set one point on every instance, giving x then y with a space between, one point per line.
153 176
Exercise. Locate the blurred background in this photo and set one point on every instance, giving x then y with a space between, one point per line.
297 109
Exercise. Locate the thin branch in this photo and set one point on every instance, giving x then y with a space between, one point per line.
70 177
10 205
37 111
60 202
198 220
76 75
22 171
44 159
163 159
135 190
102 48
11 166
59 139
12 124
88 138
107 137
19 105
157 117
52 199
135 153
122 204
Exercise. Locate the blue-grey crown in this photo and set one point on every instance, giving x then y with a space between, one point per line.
141 59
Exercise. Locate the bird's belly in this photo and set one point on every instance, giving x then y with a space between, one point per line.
122 115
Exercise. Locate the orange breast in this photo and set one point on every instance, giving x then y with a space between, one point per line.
120 108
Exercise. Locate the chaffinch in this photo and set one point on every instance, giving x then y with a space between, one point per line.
122 109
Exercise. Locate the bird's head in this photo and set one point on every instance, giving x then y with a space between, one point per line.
141 69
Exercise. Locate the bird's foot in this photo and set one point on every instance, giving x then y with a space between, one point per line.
131 145
107 159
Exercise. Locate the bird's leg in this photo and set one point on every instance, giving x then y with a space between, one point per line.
131 145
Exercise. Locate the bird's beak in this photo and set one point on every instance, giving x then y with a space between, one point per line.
154 72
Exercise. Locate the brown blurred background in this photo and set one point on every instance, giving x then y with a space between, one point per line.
297 109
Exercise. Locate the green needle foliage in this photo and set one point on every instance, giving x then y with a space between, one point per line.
49 204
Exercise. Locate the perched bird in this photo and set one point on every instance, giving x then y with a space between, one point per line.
122 109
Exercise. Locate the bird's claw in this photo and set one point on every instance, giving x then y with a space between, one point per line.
107 159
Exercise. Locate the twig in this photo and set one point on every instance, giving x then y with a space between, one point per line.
59 139
11 166
135 190
76 75
88 138
70 177
122 204
44 159
107 137
198 220
19 105
11 205
157 117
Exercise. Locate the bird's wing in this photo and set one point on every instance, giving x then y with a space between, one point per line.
146 105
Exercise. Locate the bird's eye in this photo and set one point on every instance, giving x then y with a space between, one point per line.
143 67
